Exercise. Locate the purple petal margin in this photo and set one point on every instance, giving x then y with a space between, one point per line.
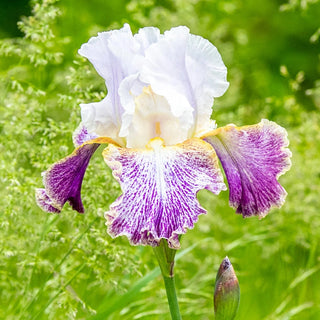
253 157
159 187
63 180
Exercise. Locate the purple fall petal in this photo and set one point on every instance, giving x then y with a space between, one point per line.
159 187
63 180
253 157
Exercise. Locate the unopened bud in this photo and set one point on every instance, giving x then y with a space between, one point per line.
226 292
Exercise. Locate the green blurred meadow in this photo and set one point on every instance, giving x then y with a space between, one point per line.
66 266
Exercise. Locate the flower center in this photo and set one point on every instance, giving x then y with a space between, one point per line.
153 118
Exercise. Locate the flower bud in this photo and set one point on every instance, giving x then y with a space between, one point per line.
226 292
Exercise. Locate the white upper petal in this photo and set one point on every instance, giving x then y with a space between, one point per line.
129 89
184 73
97 117
205 67
189 72
208 77
164 69
147 36
113 65
100 51
117 56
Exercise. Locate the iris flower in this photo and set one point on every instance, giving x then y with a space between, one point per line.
162 145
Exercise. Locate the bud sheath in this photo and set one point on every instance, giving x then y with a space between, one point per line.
226 292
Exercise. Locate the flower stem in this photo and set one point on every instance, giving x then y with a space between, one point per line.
172 298
165 257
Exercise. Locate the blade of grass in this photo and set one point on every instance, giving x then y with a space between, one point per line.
299 279
252 238
303 277
294 311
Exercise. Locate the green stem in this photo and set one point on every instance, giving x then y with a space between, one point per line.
172 297
165 257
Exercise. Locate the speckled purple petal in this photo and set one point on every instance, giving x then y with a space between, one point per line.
253 157
63 180
159 187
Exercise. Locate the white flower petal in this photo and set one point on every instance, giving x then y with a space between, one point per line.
116 55
127 51
98 118
97 52
100 51
147 36
185 73
189 72
207 74
205 68
112 54
130 88
164 69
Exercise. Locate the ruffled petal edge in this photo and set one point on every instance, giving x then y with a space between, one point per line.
253 158
159 186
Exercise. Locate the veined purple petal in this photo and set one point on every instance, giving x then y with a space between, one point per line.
253 157
159 187
63 180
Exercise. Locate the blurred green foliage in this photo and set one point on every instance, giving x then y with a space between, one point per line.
66 266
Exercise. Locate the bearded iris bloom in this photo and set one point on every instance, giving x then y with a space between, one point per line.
162 145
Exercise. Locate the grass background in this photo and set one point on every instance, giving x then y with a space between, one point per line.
66 266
